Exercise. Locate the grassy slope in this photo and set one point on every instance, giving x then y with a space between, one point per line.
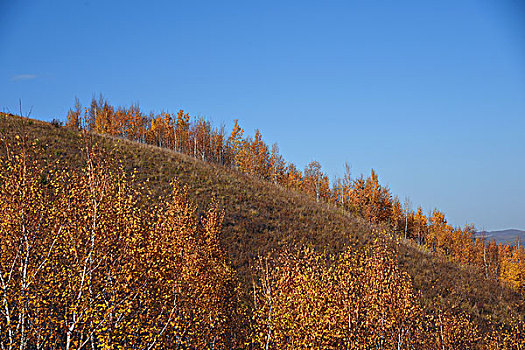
262 218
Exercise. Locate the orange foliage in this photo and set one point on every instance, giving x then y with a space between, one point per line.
84 265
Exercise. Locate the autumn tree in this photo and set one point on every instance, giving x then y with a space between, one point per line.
277 165
292 178
201 138
136 130
234 143
462 245
161 131
91 114
182 132
371 199
74 115
513 267
437 230
253 157
420 226
407 209
398 220
217 146
102 116
315 182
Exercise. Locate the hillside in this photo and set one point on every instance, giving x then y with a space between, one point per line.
262 218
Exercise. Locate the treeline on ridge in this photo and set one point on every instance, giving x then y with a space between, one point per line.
198 138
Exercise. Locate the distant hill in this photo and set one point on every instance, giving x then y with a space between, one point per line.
508 236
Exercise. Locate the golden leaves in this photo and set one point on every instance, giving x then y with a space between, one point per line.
85 261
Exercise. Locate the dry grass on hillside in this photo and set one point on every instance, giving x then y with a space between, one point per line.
262 218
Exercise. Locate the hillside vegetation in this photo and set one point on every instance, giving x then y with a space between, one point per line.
195 254
197 137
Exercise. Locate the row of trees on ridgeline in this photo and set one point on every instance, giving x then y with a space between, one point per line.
198 138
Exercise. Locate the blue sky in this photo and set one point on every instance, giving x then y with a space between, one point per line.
431 94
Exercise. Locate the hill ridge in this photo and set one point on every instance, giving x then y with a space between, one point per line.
262 217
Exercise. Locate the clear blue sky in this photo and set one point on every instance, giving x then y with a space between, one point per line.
431 94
